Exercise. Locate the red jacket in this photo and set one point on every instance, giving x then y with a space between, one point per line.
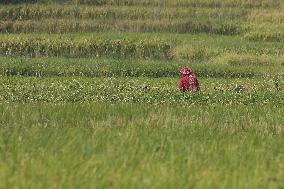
189 83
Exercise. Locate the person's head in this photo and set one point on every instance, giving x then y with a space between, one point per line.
185 71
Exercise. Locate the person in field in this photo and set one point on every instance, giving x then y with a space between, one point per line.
188 81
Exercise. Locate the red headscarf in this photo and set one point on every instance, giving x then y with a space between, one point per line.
186 71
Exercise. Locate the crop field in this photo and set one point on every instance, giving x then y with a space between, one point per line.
89 94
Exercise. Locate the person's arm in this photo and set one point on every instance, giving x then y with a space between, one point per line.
197 84
194 84
181 87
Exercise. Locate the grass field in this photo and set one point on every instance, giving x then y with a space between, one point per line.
89 94
106 145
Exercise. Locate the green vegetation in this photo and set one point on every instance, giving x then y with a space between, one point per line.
105 145
89 94
141 90
121 45
179 3
228 17
239 67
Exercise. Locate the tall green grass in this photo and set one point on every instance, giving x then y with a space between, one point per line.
39 12
88 47
74 25
186 16
230 66
106 145
124 45
60 19
98 104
